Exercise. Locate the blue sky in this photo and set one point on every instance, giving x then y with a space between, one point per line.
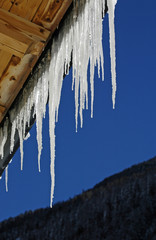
110 142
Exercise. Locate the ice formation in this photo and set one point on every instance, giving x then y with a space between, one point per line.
3 137
79 41
6 178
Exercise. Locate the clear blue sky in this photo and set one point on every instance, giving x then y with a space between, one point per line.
110 142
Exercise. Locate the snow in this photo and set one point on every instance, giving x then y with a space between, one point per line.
81 45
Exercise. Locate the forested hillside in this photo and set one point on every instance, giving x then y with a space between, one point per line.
122 207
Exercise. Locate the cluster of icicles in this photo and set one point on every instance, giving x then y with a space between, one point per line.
81 40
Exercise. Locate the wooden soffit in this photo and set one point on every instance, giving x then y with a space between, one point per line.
25 29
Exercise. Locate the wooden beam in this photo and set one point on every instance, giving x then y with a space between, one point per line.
50 13
18 76
11 51
25 9
14 78
24 41
6 56
47 11
26 27
6 4
14 41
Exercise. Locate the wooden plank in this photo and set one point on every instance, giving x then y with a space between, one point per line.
48 10
58 17
13 38
10 42
25 8
13 80
26 41
11 50
26 27
35 48
50 13
6 4
2 109
5 59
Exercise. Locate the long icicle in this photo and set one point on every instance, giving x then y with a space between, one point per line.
6 178
111 10
85 45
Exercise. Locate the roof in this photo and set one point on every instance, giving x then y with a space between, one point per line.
25 29
27 43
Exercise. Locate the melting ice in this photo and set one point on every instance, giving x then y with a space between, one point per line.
79 41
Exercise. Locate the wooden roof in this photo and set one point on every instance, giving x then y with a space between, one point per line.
25 29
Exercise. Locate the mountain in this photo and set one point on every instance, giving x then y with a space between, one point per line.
122 207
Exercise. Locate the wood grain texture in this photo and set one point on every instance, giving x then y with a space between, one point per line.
26 27
23 37
2 109
6 57
48 10
14 40
59 15
25 8
51 12
14 79
6 4
10 50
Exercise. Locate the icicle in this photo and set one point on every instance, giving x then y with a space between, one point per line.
111 10
21 147
21 135
85 46
13 130
40 107
27 136
6 178
3 137
39 116
56 75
